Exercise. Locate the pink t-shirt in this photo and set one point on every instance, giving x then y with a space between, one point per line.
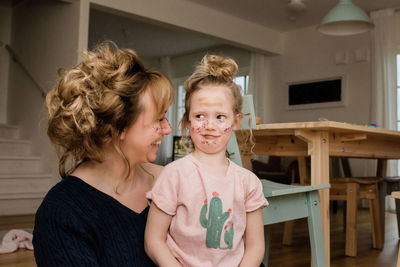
209 213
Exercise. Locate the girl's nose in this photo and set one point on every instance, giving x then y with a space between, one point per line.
210 124
166 127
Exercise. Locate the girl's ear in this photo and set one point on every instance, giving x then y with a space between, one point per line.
237 122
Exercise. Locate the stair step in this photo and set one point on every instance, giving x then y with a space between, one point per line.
23 164
14 147
24 183
9 131
26 204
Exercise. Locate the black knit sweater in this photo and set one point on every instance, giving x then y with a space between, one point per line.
78 225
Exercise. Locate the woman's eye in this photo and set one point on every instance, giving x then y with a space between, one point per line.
200 116
221 117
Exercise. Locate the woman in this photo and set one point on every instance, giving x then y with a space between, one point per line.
106 121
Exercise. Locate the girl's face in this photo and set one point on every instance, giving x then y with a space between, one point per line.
211 119
141 140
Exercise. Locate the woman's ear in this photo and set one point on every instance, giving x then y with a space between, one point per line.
237 122
122 135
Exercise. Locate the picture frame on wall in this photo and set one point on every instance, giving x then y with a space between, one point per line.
319 93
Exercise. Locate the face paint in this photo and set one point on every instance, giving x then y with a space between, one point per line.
211 118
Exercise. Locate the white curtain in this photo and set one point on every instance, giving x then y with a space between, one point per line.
383 98
259 79
164 154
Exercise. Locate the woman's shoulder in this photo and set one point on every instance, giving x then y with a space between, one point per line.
64 192
152 168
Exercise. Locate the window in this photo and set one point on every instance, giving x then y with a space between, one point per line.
243 82
398 90
180 106
398 96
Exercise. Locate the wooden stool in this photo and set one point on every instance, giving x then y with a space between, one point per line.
396 196
389 185
288 202
350 190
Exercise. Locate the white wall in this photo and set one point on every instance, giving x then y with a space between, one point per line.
183 66
309 56
45 37
5 37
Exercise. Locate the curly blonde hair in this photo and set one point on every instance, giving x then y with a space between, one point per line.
93 102
212 70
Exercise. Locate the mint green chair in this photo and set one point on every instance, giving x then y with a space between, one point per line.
286 202
289 202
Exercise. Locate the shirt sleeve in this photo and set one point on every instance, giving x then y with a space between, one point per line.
165 190
255 198
61 239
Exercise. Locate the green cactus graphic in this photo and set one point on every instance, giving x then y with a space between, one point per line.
215 222
228 237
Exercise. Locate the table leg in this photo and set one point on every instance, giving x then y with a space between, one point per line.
318 148
320 175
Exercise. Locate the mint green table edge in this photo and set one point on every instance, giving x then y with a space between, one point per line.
289 202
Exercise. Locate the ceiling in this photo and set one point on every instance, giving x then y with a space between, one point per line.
153 40
276 15
150 40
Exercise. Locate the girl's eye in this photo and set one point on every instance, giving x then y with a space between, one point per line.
221 117
200 116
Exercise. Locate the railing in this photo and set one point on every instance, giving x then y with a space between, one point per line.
17 60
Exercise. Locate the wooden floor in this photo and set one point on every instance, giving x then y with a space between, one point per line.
299 254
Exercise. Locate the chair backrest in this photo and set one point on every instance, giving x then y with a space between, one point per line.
248 121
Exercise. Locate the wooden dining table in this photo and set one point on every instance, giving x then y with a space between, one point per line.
320 140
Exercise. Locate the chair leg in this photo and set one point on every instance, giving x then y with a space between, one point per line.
351 219
383 189
288 233
377 236
267 237
397 201
315 231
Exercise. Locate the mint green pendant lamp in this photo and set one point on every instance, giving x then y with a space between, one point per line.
345 19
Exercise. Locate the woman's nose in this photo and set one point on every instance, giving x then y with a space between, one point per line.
166 127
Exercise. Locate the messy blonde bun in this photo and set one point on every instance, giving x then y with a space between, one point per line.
212 70
93 102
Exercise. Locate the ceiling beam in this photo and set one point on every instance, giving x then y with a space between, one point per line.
195 17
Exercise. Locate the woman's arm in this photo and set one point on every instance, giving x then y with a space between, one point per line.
254 245
155 237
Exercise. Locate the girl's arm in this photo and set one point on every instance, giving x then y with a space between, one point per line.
254 245
155 237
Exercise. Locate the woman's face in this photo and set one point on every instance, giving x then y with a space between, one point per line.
141 140
212 119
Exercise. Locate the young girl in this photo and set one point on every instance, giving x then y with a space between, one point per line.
206 210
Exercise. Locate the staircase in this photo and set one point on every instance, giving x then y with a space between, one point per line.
22 182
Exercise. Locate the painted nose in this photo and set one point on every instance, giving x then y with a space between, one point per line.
166 127
210 124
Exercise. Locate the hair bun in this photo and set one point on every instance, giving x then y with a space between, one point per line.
220 67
